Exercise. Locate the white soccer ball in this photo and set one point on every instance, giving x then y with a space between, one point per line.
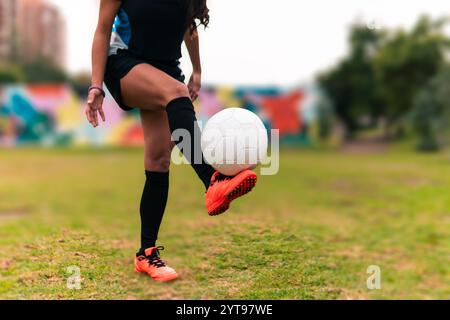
234 140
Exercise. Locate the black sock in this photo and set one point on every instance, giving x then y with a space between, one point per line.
181 115
153 205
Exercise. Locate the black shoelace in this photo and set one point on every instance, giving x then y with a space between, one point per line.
155 260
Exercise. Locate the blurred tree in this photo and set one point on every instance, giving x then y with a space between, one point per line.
440 87
80 83
424 116
404 64
43 70
325 118
10 74
431 112
351 85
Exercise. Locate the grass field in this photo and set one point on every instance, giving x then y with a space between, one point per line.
310 232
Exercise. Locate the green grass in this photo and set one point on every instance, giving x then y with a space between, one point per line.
309 232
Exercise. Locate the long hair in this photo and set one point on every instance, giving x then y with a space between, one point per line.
197 10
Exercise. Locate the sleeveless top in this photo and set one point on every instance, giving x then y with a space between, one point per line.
150 29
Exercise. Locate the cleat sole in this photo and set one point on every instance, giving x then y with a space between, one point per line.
242 189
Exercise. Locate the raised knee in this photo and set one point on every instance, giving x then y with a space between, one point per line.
175 92
181 91
157 163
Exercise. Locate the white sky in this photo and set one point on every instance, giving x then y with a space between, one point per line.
261 42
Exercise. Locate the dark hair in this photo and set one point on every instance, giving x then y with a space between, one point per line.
196 10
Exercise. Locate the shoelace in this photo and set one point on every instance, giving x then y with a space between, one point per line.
155 260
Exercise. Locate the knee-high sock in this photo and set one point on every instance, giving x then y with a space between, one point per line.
153 205
181 115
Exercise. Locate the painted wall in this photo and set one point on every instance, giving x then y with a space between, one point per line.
53 115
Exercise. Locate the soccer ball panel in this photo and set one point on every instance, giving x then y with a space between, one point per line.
234 140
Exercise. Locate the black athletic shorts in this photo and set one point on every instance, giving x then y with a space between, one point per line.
118 66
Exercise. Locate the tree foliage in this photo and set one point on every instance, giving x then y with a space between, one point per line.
384 71
80 83
43 70
406 62
10 74
325 118
431 112
350 85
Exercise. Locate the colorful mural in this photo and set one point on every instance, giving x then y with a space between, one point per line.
52 115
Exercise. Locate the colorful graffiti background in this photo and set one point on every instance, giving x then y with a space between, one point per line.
52 115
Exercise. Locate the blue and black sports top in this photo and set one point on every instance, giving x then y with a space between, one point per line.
150 29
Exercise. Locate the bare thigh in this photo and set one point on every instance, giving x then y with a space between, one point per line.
158 145
148 88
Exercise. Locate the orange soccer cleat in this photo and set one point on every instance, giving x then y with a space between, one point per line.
223 190
151 264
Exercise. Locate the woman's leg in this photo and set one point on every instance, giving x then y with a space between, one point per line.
147 88
165 107
157 151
